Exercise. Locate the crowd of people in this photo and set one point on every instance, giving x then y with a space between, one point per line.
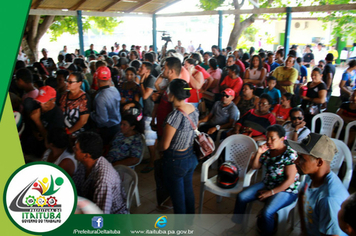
88 113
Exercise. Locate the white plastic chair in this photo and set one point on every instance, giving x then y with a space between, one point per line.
129 181
343 155
328 121
346 140
239 149
137 195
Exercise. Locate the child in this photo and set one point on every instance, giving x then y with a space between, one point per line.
272 91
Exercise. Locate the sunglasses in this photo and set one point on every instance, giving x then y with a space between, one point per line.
263 103
72 82
225 95
295 118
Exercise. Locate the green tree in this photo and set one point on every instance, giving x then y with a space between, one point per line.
37 26
343 22
240 23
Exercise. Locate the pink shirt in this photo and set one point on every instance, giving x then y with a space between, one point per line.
216 75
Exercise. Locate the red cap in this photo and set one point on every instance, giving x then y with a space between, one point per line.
229 92
103 73
45 94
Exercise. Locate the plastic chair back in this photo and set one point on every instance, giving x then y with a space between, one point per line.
238 149
129 181
328 121
347 135
343 154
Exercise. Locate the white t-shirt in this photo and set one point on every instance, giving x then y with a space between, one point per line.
64 155
302 132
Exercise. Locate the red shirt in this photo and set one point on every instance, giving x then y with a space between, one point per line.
234 84
281 113
268 67
241 65
164 108
264 121
202 70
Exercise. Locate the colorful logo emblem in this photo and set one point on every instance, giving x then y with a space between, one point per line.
39 197
97 222
161 222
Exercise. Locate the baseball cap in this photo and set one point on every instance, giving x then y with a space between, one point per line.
229 92
294 47
103 73
45 94
317 145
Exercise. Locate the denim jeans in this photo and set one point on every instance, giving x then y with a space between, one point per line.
178 168
272 205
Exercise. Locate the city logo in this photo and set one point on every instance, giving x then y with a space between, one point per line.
161 222
39 197
97 222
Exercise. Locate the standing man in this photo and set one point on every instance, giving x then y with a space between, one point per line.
147 85
95 178
107 106
48 62
308 57
179 48
90 51
322 194
328 75
319 53
221 59
334 52
64 51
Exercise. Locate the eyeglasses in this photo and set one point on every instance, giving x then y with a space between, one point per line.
295 118
72 82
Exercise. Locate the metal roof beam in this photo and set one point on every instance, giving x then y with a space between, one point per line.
138 6
36 4
86 13
167 5
323 8
109 5
77 5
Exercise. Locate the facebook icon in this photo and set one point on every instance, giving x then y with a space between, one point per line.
97 222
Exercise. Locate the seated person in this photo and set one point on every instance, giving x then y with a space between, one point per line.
247 100
281 111
322 193
25 82
256 74
223 115
347 112
279 187
272 90
348 81
48 115
233 81
286 76
296 129
59 151
347 215
315 97
215 73
95 178
260 116
127 145
129 89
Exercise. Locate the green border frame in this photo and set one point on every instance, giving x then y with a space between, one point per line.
31 164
